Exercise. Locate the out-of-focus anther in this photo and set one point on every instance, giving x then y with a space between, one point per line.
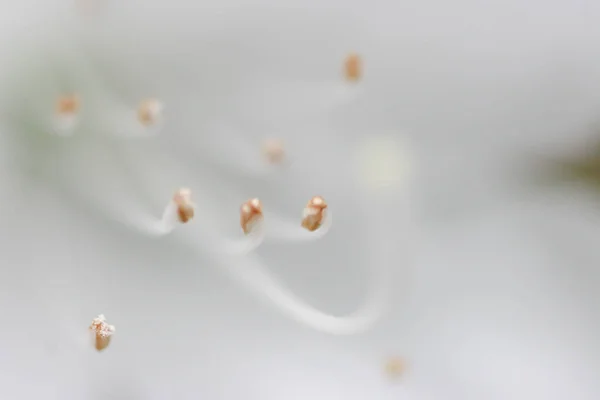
395 367
66 105
314 213
353 67
66 113
145 120
102 332
273 150
185 207
250 215
149 112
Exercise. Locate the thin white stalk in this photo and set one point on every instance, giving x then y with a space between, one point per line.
290 230
149 225
98 179
122 210
133 217
65 125
233 247
255 276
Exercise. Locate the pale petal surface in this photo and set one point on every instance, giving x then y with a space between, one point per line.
457 259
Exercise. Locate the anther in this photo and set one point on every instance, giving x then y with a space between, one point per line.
185 207
314 213
353 67
66 105
149 112
274 151
66 112
395 367
102 332
250 215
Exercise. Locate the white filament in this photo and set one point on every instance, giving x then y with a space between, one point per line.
244 245
292 231
254 275
64 125
149 225
138 220
203 218
98 179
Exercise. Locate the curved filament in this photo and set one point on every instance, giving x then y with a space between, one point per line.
223 246
253 274
98 180
152 226
243 246
291 231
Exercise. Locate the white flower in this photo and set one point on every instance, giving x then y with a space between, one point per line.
184 95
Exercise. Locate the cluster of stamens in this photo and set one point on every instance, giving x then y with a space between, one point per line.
251 213
314 213
102 332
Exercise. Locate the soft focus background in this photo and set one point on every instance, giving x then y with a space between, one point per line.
495 272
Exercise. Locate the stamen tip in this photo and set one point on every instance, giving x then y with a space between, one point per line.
314 213
250 215
67 104
150 112
66 114
185 207
395 367
102 332
353 67
273 150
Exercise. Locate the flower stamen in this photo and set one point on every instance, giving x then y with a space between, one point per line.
314 213
353 67
149 112
251 215
395 368
185 207
274 152
102 332
316 222
66 114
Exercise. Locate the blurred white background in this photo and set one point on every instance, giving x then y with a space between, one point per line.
495 275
